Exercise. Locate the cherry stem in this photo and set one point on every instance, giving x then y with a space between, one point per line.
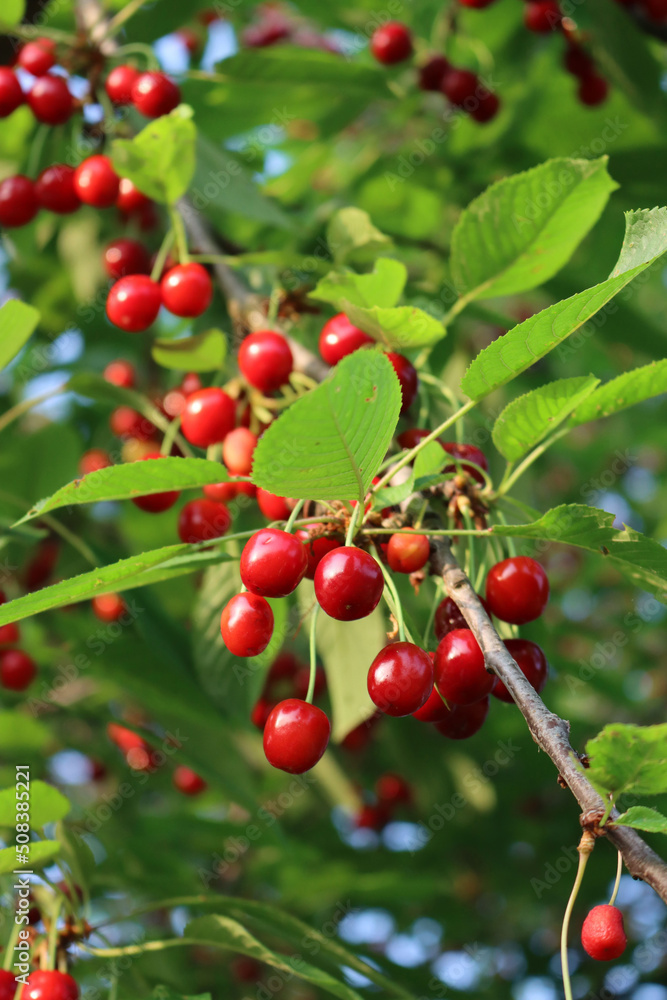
398 608
162 254
170 436
116 22
181 238
511 476
53 934
293 516
313 655
434 607
9 947
352 526
617 883
509 541
585 848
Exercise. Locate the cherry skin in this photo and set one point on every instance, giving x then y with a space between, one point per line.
17 670
203 519
156 503
296 735
261 710
125 256
372 817
434 708
265 360
208 417
137 752
393 790
154 94
391 43
517 590
94 460
593 90
55 189
11 94
18 201
407 376
274 508
50 100
432 73
246 625
128 423
400 679
578 62
459 669
188 782
130 199
473 454
340 337
37 57
187 290
463 721
108 607
9 633
532 662
316 549
448 617
542 16
237 451
96 182
133 303
49 984
407 553
7 982
228 491
486 108
120 372
273 563
602 934
348 584
460 86
119 84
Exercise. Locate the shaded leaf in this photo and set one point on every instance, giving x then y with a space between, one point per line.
160 159
351 229
41 853
382 287
529 418
17 323
206 352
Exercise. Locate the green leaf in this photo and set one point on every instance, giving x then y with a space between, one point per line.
641 559
529 418
21 733
645 242
13 12
17 323
626 759
47 805
382 287
331 442
227 933
404 326
430 460
643 818
41 853
167 993
160 160
628 389
206 352
524 228
351 229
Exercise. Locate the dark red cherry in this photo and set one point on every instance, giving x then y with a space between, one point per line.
469 452
408 552
155 503
237 451
9 634
188 782
517 590
348 583
302 682
542 16
96 182
296 735
274 508
202 520
121 373
120 82
372 816
316 549
476 4
208 417
130 199
393 790
50 100
273 563
463 721
434 708
593 90
391 43
187 290
125 256
55 189
486 108
603 935
7 981
18 201
448 617
532 662
49 984
431 74
17 669
108 607
400 678
154 94
407 376
459 669
578 62
265 360
11 95
460 86
261 710
246 624
340 337
134 302
37 57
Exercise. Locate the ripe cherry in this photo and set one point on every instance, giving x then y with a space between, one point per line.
463 721
285 667
393 790
532 662
18 201
265 360
400 678
372 817
470 452
154 94
459 669
50 100
434 708
391 43
203 519
348 584
593 90
476 4
486 108
120 82
274 508
125 256
94 460
208 417
9 634
128 423
55 189
340 337
188 782
7 981
432 73
190 39
408 552
137 752
460 86
237 451
603 935
130 199
449 617
542 16
228 491
42 565
96 182
302 682
407 376
273 563
187 290
17 670
133 303
120 372
578 62
49 984
108 607
11 94
38 57
246 625
261 710
296 735
517 590
155 503
316 549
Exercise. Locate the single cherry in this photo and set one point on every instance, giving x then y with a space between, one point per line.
532 662
273 563
7 982
274 508
296 735
96 182
372 816
407 376
156 503
11 94
55 189
9 634
17 669
542 16
391 43
137 752
578 62
469 452
203 519
408 552
593 90
463 721
208 417
265 360
188 782
187 290
432 73
461 86
18 201
133 303
448 617
125 256
316 549
128 423
400 678
50 100
340 337
37 57
237 451
120 82
517 590
348 584
120 372
154 94
108 607
246 625
393 790
603 935
49 984
130 199
93 460
261 710
459 669
486 108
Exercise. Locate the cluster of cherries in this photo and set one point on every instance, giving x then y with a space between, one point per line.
17 669
140 756
391 792
42 984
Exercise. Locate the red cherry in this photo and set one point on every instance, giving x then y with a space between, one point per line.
189 38
120 82
656 10
431 74
120 372
392 790
246 625
237 451
130 198
302 682
470 452
133 303
316 549
246 970
128 423
265 360
400 678
476 4
137 752
448 617
37 57
124 256
18 201
542 16
372 817
285 667
94 460
517 590
55 189
191 383
41 566
602 935
208 417
96 182
50 100
228 491
434 708
391 43
463 721
578 62
358 738
410 439
108 607
155 503
188 782
48 984
11 95
7 981
272 29
154 94
203 519
273 563
273 508
348 583
460 86
532 662
339 337
407 376
17 670
459 669
187 290
9 634
408 552
261 710
487 107
296 735
593 90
